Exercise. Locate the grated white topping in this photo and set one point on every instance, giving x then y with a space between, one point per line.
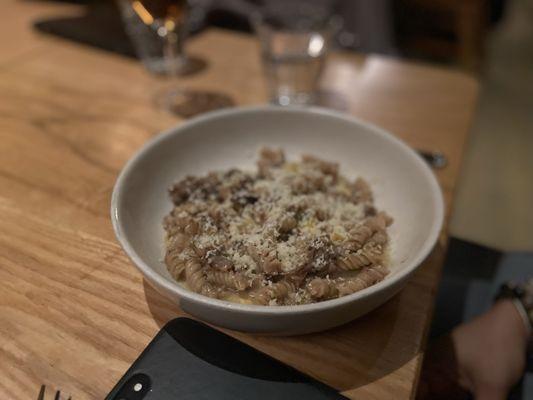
283 220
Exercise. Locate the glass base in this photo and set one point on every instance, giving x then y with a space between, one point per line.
322 98
298 99
187 103
180 66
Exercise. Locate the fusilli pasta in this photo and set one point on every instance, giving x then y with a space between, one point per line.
273 293
290 233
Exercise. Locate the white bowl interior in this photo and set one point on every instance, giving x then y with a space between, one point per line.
402 183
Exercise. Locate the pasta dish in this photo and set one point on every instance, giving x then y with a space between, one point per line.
288 233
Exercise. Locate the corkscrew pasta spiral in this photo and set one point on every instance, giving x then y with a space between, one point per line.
289 233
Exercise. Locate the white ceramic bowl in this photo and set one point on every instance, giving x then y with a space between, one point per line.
403 185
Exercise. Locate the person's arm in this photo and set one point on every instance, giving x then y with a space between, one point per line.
491 351
485 357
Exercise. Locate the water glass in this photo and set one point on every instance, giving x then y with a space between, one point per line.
294 44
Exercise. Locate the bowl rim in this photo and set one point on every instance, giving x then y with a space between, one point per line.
175 288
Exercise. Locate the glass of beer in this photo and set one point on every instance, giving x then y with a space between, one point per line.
158 29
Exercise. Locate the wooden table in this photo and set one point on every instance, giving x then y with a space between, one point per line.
74 312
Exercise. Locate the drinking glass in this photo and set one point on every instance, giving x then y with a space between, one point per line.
294 43
158 30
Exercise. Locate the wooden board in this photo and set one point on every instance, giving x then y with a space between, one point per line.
74 312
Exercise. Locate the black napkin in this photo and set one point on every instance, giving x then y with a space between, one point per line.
101 26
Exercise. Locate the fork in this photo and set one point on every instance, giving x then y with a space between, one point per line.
56 397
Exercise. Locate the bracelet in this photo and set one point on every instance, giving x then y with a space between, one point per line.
521 296
523 314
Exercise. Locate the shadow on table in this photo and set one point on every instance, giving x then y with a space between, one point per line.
345 357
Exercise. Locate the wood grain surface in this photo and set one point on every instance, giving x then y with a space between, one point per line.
74 312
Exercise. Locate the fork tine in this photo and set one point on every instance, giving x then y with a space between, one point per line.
58 394
41 393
